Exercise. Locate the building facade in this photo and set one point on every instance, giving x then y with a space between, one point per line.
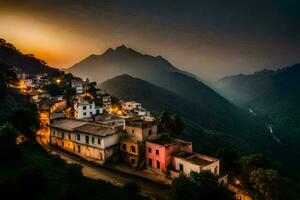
159 152
90 141
187 162
86 109
132 144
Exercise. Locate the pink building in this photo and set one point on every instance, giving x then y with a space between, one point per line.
159 152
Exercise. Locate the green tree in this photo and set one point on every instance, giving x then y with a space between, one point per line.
26 120
267 185
203 185
177 124
229 161
9 150
170 123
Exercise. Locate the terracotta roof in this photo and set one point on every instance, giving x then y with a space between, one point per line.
96 129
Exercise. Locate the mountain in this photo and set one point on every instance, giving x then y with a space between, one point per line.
12 57
214 111
274 94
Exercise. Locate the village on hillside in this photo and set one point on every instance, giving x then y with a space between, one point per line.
78 118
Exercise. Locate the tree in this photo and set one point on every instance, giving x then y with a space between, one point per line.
170 123
9 150
177 124
183 187
203 185
267 185
26 120
229 161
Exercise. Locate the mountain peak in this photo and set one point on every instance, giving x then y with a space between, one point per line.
122 47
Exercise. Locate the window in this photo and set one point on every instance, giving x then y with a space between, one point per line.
84 108
149 150
78 148
150 132
150 162
91 113
124 147
132 131
93 140
62 134
53 132
70 136
133 149
87 139
157 152
181 167
99 141
62 144
78 136
84 113
100 156
90 106
158 164
132 160
216 170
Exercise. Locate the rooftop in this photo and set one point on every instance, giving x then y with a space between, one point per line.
195 158
165 141
67 124
138 122
96 129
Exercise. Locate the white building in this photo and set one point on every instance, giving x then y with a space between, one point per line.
77 85
131 105
86 109
91 141
187 162
134 108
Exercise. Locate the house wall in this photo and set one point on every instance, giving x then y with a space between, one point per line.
164 155
98 153
188 167
213 168
133 158
142 134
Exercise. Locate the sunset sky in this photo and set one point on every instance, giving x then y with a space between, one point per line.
209 38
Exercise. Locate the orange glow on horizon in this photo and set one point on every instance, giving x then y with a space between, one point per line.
56 46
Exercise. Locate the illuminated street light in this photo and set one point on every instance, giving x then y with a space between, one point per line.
237 181
58 81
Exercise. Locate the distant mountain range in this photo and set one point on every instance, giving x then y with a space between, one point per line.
12 57
274 94
209 108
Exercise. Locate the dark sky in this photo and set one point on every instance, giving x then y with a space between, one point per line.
209 38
